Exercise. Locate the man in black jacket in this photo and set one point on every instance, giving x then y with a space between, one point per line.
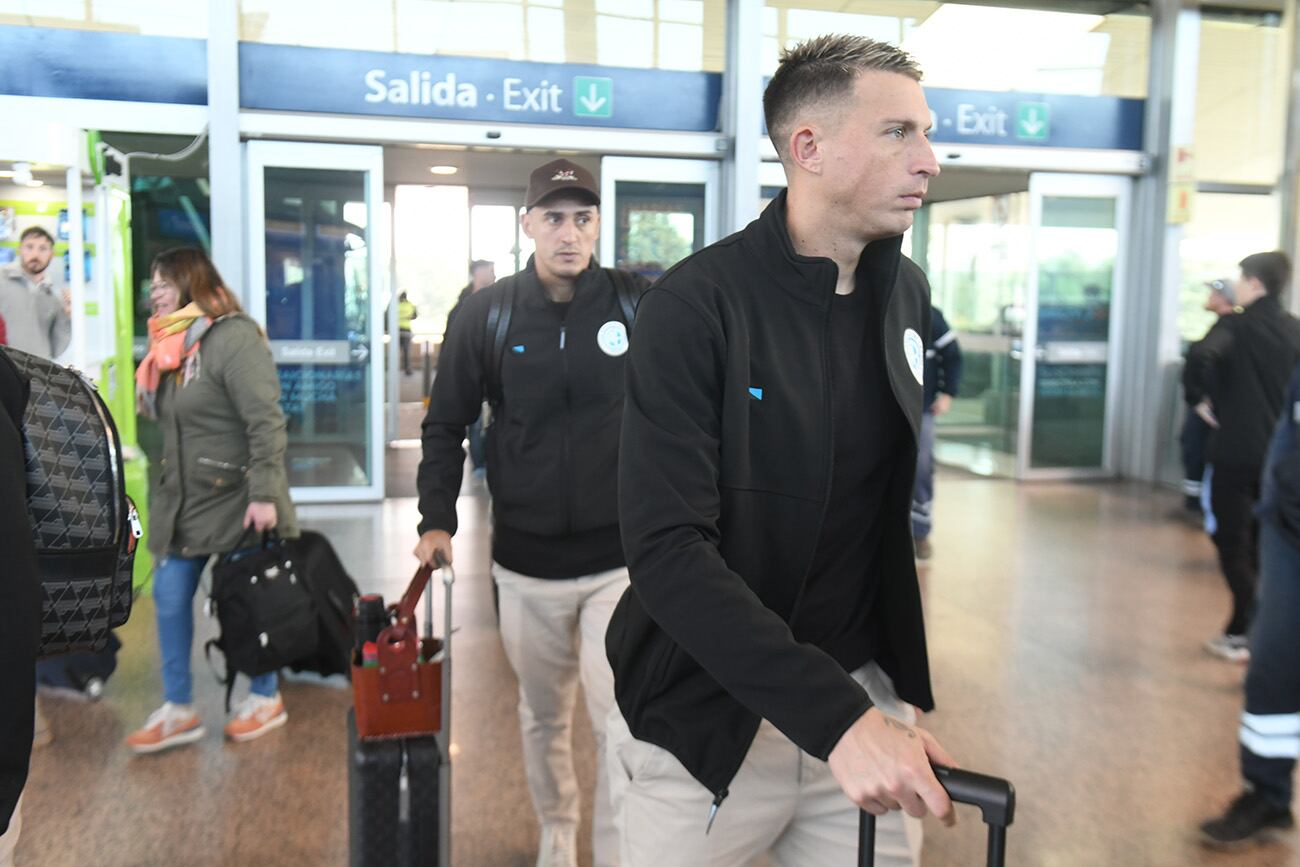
1235 378
20 609
547 347
769 653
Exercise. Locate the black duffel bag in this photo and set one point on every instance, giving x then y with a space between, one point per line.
265 611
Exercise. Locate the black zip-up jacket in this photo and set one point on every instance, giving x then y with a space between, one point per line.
1243 365
552 447
724 476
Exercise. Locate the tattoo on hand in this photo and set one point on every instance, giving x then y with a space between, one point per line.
898 725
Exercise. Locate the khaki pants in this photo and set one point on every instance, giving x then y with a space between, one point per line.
554 633
783 803
9 839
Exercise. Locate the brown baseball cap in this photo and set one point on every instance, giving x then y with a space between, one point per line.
557 176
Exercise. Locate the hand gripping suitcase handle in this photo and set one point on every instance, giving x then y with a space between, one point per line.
995 797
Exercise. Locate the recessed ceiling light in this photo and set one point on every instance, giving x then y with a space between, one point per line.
444 170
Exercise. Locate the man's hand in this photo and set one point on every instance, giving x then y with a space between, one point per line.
67 301
883 764
942 403
260 516
1205 410
431 542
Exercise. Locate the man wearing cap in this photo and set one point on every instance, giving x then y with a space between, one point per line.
1235 379
555 381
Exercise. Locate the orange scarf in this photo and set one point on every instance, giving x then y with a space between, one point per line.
167 351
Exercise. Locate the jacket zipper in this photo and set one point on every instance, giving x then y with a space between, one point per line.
221 465
713 809
568 431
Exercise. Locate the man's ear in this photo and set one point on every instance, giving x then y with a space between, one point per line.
806 148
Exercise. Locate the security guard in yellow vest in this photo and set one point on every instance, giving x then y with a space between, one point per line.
406 312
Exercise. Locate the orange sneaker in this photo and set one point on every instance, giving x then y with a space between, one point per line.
256 716
169 726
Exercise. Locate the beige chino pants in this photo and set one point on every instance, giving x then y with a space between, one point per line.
554 634
784 808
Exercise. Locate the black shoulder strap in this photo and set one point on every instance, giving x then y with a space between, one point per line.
628 294
494 340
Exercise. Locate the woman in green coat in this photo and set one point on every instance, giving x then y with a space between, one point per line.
210 381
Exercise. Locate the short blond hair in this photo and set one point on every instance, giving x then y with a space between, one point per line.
821 70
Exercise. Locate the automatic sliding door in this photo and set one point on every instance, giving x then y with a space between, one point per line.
316 261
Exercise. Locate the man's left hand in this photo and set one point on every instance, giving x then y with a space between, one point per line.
67 301
942 403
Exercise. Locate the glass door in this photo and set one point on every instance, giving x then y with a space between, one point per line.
317 261
656 212
1077 262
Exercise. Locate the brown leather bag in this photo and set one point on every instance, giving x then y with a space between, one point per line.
409 691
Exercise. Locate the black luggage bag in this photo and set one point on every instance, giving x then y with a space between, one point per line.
995 797
399 788
83 672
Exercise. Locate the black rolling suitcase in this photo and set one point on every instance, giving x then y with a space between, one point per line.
399 787
996 799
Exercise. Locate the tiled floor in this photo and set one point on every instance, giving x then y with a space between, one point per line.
1065 624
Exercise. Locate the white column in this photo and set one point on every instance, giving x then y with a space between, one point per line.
225 163
742 113
1289 184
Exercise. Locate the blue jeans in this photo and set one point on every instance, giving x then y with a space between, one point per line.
174 581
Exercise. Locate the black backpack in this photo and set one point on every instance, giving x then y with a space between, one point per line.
335 596
498 326
85 526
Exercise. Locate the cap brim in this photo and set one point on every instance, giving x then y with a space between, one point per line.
573 192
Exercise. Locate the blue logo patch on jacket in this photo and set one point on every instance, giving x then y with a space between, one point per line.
518 350
756 393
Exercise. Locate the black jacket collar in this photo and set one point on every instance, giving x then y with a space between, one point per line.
534 294
812 278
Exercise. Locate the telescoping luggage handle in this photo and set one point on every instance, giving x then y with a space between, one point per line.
995 797
406 613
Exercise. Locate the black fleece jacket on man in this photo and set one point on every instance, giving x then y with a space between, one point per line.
552 446
20 596
1243 365
725 472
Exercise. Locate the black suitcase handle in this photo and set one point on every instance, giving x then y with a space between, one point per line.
995 797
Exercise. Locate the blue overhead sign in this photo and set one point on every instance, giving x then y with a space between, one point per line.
292 78
1035 119
90 64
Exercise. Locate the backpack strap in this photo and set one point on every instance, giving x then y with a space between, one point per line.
497 326
629 293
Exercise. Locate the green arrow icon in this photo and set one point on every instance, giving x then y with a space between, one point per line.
593 96
1033 121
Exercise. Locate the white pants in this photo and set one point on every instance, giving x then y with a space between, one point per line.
554 633
783 804
9 839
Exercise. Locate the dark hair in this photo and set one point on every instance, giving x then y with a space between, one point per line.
35 230
1273 269
192 273
479 263
824 69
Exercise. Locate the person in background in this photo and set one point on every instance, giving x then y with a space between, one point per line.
210 381
1196 432
20 611
406 313
1269 735
942 379
34 301
482 274
1234 379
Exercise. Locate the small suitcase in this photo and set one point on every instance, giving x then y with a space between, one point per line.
995 797
399 788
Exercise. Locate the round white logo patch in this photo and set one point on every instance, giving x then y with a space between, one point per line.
915 352
612 338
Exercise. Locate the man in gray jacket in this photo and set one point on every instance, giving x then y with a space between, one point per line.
34 302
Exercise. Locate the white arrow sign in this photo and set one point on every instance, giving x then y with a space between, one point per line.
593 100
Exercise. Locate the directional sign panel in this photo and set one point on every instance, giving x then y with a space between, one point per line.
593 96
1033 121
